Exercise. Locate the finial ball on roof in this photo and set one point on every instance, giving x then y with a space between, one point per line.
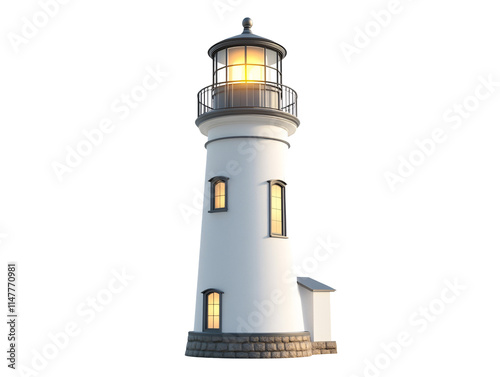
247 23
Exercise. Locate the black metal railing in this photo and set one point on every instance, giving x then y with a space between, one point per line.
247 95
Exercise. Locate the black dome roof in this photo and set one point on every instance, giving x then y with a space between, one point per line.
247 38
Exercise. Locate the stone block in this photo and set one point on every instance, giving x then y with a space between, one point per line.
248 347
210 346
221 347
235 347
271 347
267 339
259 347
290 346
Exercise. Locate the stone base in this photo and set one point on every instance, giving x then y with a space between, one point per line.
324 348
251 345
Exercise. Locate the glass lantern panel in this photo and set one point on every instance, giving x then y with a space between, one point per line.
236 55
271 58
255 55
255 73
271 75
221 75
236 73
221 59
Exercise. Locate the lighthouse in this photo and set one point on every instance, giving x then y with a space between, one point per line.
249 304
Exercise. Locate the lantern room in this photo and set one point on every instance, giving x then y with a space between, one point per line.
247 73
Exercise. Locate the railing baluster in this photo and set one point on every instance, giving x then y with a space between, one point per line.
287 97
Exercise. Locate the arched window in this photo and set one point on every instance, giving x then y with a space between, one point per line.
212 310
277 211
218 194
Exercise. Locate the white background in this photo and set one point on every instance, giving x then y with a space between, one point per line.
121 207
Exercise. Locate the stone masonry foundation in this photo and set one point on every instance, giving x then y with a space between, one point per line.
324 348
254 345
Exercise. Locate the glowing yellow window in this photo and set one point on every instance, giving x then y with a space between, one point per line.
276 210
255 64
246 64
255 55
212 311
236 63
236 55
218 194
255 73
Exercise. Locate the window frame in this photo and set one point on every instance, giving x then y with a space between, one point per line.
206 293
225 67
282 184
213 182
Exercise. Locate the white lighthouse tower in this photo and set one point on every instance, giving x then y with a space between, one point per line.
248 302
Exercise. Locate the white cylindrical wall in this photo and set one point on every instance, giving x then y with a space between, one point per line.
237 255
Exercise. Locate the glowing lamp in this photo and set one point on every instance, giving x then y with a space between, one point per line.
246 72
